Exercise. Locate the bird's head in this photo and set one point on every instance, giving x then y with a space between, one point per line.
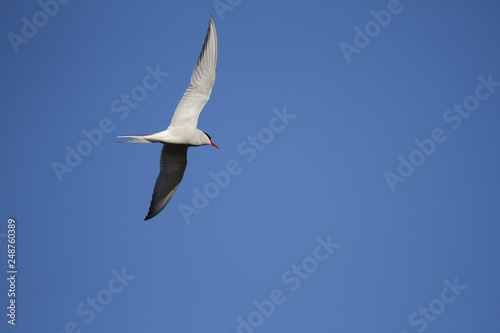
210 141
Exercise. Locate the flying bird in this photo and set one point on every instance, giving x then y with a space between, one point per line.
182 132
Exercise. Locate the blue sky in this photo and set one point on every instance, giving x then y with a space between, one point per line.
356 188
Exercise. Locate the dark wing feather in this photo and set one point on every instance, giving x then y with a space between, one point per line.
173 163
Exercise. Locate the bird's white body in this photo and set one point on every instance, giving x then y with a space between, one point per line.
189 136
183 132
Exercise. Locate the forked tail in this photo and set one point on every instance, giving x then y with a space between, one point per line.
138 139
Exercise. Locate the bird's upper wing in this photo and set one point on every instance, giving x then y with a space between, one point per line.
173 163
202 80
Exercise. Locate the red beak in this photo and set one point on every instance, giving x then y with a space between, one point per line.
213 144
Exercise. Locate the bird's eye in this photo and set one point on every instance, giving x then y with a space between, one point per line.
209 138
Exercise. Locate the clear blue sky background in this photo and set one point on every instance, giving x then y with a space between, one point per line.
321 176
